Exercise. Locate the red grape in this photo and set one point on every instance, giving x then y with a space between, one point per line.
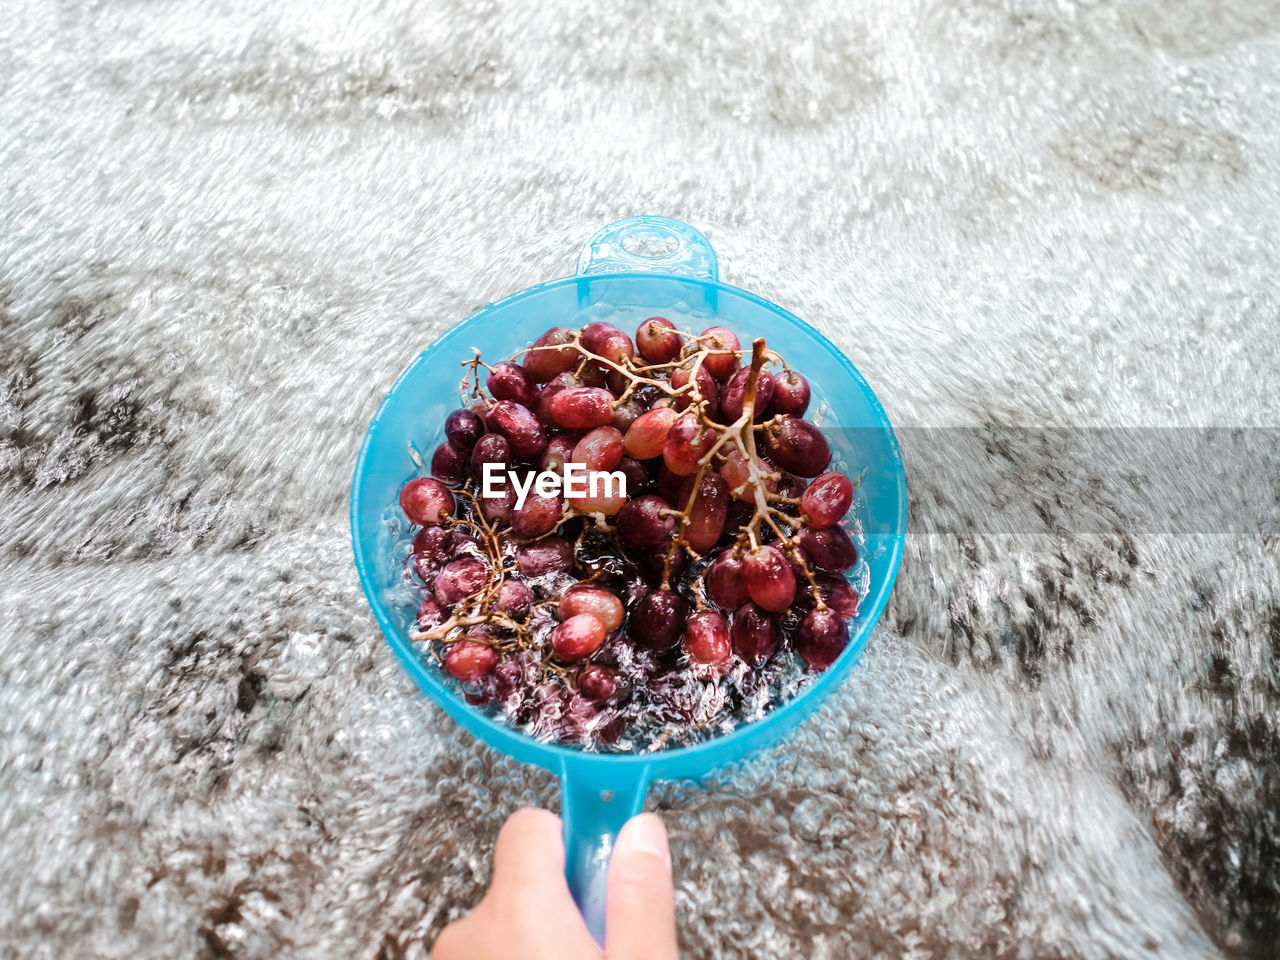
826 500
726 581
468 660
735 393
581 408
514 599
536 516
517 423
577 637
646 437
658 340
657 620
499 508
686 443
790 394
830 549
615 348
510 381
545 556
559 452
425 500
431 543
491 448
448 463
601 604
738 473
706 638
722 361
706 387
549 355
430 614
601 449
823 634
460 579
641 523
754 633
595 334
463 429
707 515
770 581
799 447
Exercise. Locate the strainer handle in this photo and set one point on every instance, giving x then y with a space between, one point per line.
650 245
595 801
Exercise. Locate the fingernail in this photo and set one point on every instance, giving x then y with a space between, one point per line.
646 834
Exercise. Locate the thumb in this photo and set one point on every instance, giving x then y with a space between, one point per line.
640 914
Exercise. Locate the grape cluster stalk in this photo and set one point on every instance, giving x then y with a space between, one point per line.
581 613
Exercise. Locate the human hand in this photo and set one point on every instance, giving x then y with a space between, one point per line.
528 912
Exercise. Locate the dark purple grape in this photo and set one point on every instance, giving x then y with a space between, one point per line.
554 554
726 581
549 355
459 579
426 500
651 563
658 619
839 595
627 414
509 381
755 634
831 549
799 447
517 423
823 634
735 392
448 463
641 523
826 500
790 394
463 428
597 683
636 474
491 448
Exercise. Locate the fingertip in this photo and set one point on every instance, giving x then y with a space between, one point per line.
645 834
530 847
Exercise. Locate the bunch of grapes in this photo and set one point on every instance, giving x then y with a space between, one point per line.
608 618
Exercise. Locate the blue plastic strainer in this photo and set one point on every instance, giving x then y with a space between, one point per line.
630 270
